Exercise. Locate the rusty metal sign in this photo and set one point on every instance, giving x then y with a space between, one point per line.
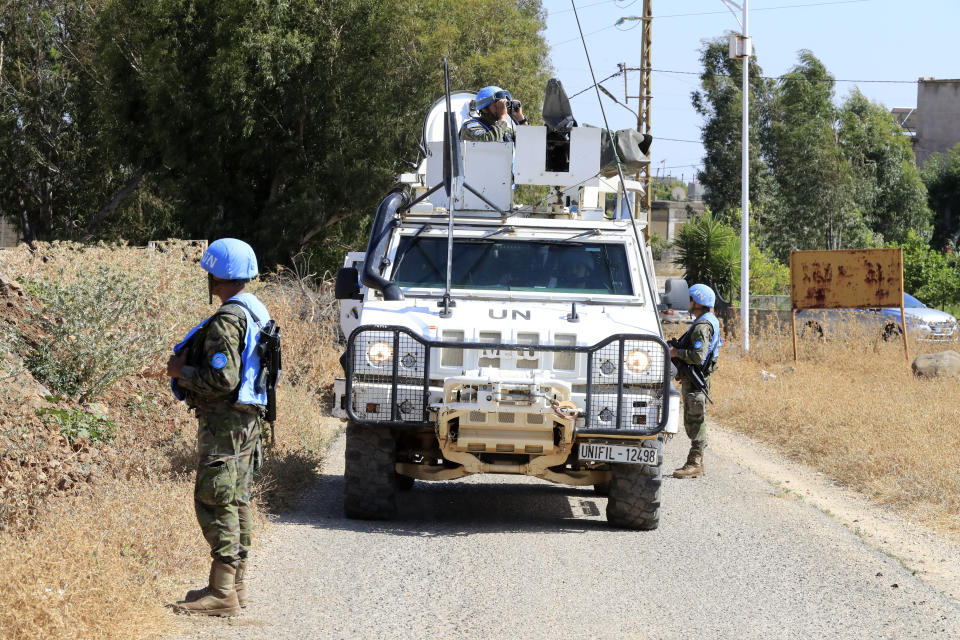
857 278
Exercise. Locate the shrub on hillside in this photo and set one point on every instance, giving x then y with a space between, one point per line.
95 329
709 252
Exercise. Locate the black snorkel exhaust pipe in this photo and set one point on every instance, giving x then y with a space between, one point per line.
375 259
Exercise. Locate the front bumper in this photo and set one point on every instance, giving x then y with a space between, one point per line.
393 378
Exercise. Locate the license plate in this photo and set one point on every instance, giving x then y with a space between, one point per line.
617 453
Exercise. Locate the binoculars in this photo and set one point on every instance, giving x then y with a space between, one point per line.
513 105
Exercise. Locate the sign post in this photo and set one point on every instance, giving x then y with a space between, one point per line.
847 279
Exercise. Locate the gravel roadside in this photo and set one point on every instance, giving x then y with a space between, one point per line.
736 555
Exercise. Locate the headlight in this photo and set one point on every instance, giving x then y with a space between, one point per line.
637 361
379 353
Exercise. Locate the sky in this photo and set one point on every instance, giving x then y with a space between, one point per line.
859 40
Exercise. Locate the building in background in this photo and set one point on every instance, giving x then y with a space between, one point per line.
934 124
667 217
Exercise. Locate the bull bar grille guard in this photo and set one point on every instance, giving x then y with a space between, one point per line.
405 361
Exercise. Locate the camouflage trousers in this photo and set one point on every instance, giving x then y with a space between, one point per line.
695 415
228 454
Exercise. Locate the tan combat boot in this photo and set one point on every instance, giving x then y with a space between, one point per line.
220 598
238 584
196 594
693 467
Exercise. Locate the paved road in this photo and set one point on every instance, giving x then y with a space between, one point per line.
505 557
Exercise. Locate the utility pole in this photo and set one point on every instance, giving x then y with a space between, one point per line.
644 95
741 49
643 124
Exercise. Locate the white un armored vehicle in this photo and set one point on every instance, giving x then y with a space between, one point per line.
489 337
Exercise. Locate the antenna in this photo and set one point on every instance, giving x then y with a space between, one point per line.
451 181
616 157
453 184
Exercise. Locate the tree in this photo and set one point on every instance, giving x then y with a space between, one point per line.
285 122
941 174
887 185
815 207
59 178
708 250
930 275
719 102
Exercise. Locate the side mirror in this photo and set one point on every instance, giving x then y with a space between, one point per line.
676 294
348 284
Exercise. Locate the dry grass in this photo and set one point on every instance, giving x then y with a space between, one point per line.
854 410
103 559
101 565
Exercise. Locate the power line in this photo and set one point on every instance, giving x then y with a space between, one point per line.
612 75
724 75
595 4
784 6
710 13
677 140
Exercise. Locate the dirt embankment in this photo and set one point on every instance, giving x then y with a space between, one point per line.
37 460
97 531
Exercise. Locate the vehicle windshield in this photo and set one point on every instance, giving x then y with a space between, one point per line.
910 301
515 265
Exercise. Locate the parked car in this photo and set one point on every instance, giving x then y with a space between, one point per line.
675 316
923 323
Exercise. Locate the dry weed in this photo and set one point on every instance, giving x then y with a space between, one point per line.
853 409
103 563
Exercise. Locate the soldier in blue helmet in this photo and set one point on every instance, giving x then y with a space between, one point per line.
216 371
493 106
699 347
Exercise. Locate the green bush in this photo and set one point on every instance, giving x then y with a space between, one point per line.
930 275
95 328
709 252
80 425
658 245
768 276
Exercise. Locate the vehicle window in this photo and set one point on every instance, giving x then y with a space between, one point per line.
515 265
910 301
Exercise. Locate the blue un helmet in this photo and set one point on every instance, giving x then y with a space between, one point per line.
230 259
488 95
703 295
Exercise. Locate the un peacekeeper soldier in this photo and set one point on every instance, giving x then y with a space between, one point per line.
699 346
215 369
491 124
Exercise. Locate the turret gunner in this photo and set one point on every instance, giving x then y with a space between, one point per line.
699 347
493 105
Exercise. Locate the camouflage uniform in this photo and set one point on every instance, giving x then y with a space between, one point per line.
694 347
228 435
485 129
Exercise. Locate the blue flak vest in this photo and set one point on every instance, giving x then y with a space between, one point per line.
249 358
715 340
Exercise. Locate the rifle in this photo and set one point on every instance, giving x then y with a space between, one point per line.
692 372
268 347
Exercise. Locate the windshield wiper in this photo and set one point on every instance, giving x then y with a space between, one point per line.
507 229
591 232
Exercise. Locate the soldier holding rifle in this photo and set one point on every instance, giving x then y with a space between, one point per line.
695 355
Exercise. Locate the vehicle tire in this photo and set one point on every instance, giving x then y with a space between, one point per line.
369 476
404 483
812 329
634 499
892 332
602 488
